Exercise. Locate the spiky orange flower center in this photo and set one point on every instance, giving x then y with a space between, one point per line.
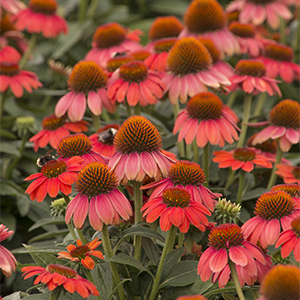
176 197
117 61
242 30
80 251
109 35
62 270
205 106
225 236
279 52
54 168
164 27
295 224
250 68
9 69
46 7
214 52
281 283
106 134
244 154
261 2
292 189
296 172
269 146
95 179
137 134
52 122
274 205
204 15
133 71
187 173
287 114
6 25
87 76
141 55
73 145
164 45
187 56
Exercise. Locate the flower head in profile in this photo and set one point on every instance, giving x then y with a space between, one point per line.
134 83
83 253
283 125
227 242
56 176
117 61
207 120
274 212
41 17
9 55
56 276
8 262
87 85
12 6
98 196
227 212
54 129
138 152
11 76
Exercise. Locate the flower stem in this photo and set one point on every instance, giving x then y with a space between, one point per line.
241 186
81 236
81 10
247 108
236 280
128 109
96 122
28 51
55 293
188 151
138 203
109 253
180 239
72 231
3 99
189 242
137 109
296 40
180 145
168 245
232 98
282 31
259 105
297 264
195 152
91 279
255 294
92 9
205 163
230 179
273 176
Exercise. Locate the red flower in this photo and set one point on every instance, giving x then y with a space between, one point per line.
290 174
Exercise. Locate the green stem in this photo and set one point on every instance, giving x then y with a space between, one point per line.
232 98
81 236
137 109
72 231
195 152
67 198
154 226
205 163
128 109
142 7
261 100
180 145
273 176
3 99
48 98
138 203
105 116
236 280
189 242
241 186
188 152
92 8
255 294
54 295
230 179
282 31
176 110
247 108
96 122
180 239
28 51
296 41
109 253
297 264
81 10
91 279
170 237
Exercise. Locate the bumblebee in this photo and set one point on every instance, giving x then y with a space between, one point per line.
42 160
107 136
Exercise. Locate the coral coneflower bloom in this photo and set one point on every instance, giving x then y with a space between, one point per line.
134 83
251 78
79 145
12 77
208 120
9 54
12 6
117 61
140 55
55 176
54 129
138 152
284 125
274 210
278 62
292 189
87 84
207 18
227 242
109 39
61 276
241 158
83 253
7 261
175 207
41 17
98 196
187 175
289 174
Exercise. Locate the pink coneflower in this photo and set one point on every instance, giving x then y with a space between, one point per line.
41 17
175 207
9 54
262 269
226 243
134 83
87 84
12 77
292 189
117 61
103 140
284 125
189 72
138 152
79 145
208 120
187 175
7 261
98 196
140 54
207 18
54 129
278 62
12 6
57 276
55 176
83 253
251 78
274 210
289 174
109 39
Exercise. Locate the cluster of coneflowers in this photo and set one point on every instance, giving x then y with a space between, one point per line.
185 63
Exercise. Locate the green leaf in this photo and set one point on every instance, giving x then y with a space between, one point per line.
151 250
36 257
49 235
9 221
227 296
143 231
9 148
7 134
23 204
46 221
14 296
171 259
103 279
254 194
